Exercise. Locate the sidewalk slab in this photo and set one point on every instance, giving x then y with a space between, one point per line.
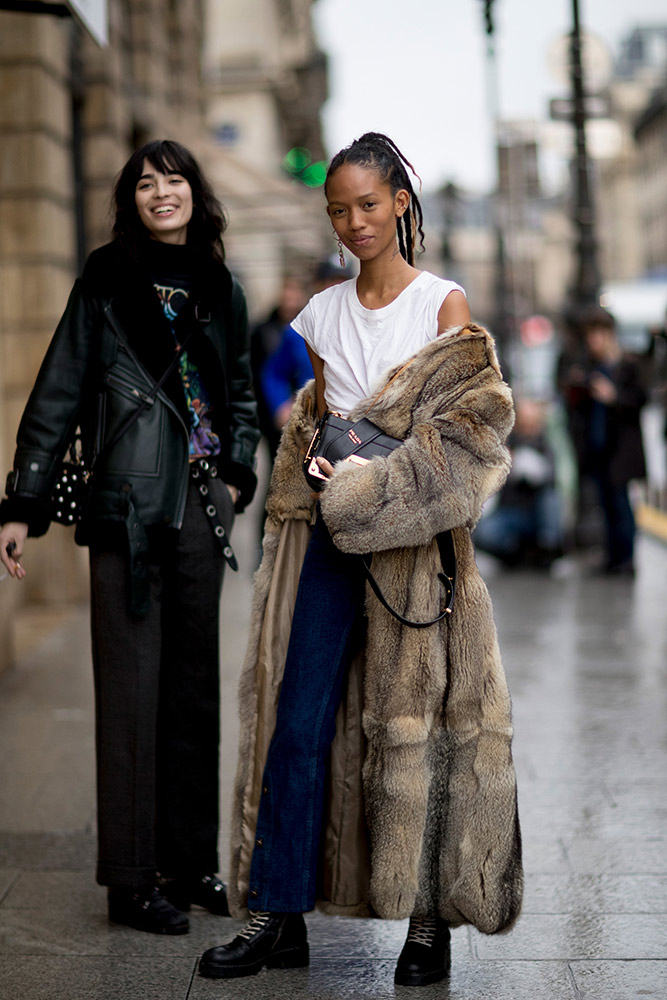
94 978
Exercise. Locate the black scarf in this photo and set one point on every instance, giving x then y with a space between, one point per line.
111 273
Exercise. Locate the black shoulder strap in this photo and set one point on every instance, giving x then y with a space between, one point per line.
445 542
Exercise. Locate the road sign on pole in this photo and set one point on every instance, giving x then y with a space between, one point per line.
595 106
94 17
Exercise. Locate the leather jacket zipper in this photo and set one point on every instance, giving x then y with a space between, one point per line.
164 399
128 389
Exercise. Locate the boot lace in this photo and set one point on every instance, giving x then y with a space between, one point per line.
256 924
422 930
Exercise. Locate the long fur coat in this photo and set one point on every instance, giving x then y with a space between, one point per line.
421 815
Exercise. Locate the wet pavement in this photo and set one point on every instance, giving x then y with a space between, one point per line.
586 660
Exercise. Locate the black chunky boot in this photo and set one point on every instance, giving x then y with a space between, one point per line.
274 940
146 910
206 890
426 954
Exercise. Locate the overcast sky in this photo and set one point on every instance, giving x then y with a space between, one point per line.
415 69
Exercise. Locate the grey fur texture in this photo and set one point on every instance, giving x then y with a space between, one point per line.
439 790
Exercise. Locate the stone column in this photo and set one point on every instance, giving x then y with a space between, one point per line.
36 261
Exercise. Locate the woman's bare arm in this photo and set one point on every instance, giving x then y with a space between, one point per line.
454 311
318 371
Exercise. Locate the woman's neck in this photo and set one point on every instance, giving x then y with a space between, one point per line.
381 280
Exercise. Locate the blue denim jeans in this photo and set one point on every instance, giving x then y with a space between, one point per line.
507 531
326 629
619 520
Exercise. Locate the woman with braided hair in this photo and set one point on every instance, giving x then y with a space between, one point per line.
375 775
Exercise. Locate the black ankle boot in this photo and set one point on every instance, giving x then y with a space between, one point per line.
146 910
276 940
426 955
206 890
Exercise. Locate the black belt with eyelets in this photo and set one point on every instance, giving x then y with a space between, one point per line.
201 470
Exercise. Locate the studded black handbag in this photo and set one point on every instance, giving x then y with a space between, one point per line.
71 492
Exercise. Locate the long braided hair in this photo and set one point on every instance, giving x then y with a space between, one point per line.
378 152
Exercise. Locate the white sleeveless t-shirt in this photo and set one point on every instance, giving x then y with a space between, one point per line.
358 345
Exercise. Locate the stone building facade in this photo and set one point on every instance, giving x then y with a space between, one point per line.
70 114
651 139
626 193
265 82
629 180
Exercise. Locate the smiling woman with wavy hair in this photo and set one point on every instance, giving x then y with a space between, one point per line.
151 360
209 219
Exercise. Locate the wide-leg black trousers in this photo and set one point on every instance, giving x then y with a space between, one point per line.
157 704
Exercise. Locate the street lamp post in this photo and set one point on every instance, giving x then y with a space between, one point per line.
501 322
586 282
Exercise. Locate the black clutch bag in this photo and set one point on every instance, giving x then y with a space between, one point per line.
358 441
341 440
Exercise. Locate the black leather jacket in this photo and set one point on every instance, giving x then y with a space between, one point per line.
111 346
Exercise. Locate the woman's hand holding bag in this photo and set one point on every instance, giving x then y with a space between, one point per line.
339 440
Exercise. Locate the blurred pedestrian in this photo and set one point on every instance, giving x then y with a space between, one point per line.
657 365
288 368
265 341
416 816
155 307
525 528
605 395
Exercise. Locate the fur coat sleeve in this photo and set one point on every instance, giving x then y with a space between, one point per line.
454 412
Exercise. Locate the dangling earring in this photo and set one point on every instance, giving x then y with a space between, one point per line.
341 255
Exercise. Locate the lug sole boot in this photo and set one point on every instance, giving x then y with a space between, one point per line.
146 910
207 891
425 957
274 940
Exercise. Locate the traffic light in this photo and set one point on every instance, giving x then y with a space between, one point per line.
298 163
488 16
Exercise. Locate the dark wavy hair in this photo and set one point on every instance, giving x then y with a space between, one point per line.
591 316
209 219
378 152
